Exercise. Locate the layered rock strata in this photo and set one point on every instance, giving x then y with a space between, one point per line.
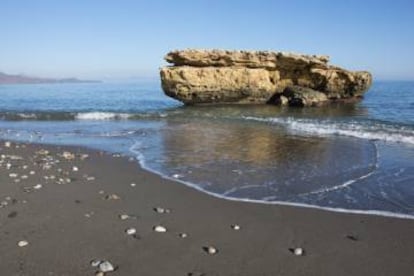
257 77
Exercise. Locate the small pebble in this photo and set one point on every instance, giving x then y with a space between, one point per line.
32 172
183 235
106 266
23 243
123 216
160 229
75 169
24 176
298 251
37 187
13 175
235 227
95 263
210 250
131 231
100 273
133 184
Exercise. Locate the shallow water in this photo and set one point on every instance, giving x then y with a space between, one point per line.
350 156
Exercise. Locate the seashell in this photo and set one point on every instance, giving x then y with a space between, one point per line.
8 166
32 172
133 184
75 169
23 243
160 229
112 197
210 250
131 231
235 227
24 176
106 266
37 187
7 144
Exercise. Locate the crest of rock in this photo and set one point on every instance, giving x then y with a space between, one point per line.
219 76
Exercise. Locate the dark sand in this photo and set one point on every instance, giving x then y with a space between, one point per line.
68 225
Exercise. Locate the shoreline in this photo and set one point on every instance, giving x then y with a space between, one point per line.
69 224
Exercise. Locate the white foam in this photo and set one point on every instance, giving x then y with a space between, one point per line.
380 132
141 159
97 116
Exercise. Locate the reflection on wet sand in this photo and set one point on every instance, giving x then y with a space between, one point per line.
242 157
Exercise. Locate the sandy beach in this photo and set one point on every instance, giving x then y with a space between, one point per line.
66 209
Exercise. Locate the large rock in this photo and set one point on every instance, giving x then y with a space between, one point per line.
218 76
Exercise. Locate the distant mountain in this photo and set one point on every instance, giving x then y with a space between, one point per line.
21 79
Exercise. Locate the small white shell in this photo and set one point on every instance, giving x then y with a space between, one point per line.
133 184
23 243
75 169
32 172
131 231
13 175
106 266
160 229
7 144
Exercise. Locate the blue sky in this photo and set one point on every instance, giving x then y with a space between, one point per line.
126 39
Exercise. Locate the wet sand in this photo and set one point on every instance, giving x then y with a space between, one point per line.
73 218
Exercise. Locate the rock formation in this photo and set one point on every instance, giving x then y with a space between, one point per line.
219 76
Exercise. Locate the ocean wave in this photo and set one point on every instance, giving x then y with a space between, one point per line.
368 130
97 116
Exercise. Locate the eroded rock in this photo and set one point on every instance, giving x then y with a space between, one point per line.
219 76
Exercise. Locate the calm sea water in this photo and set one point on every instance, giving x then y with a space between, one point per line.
349 156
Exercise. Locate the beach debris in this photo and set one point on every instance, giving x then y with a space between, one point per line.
133 184
7 144
183 235
161 210
211 250
176 175
112 197
106 266
235 227
298 251
160 229
37 187
75 169
131 231
23 243
68 155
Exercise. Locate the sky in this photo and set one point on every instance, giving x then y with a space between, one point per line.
108 39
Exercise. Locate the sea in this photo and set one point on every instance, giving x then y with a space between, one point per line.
356 158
